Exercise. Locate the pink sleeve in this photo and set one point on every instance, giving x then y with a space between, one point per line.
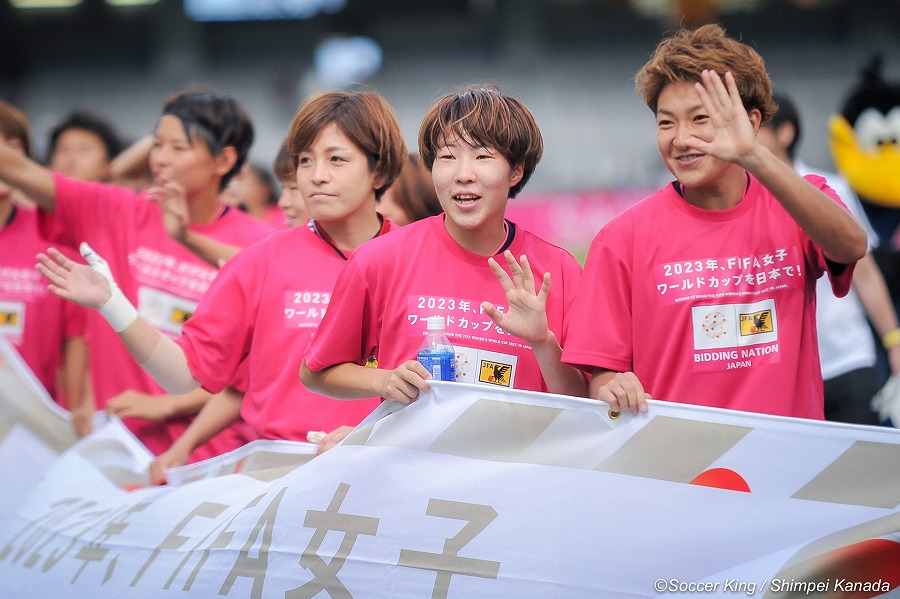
216 338
346 332
599 330
840 276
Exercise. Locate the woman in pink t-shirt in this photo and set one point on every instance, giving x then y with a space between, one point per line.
705 290
200 140
481 146
265 304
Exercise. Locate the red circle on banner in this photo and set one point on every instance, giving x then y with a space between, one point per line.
722 478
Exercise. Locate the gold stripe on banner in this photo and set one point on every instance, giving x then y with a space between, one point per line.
267 466
859 476
496 430
673 449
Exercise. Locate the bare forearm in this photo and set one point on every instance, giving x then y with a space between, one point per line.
826 223
561 378
33 179
133 162
209 250
159 356
217 412
345 381
190 403
870 286
75 372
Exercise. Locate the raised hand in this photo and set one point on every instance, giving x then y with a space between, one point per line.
75 282
735 135
527 314
172 201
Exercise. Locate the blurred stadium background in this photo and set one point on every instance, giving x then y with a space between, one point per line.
571 61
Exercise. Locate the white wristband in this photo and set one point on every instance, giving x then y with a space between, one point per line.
118 311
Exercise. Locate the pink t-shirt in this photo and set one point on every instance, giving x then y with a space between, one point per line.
35 321
714 308
275 218
162 278
263 309
391 285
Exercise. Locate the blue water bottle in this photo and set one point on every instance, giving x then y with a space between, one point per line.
436 354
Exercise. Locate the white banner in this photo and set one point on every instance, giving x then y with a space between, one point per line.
34 429
471 493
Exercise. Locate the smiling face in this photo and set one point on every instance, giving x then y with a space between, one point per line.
680 121
335 179
472 185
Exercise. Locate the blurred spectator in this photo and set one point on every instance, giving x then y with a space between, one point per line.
846 346
48 334
83 146
262 310
412 196
255 191
201 140
290 201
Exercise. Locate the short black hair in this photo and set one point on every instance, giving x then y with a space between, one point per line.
217 119
84 119
787 113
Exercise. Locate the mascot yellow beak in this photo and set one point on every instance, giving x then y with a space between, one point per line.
874 175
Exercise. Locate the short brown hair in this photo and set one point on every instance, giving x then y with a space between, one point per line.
366 118
14 125
283 165
684 56
485 117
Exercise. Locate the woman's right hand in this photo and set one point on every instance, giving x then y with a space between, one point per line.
405 382
75 282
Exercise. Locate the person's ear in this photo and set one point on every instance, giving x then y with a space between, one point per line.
755 119
225 160
378 180
785 135
518 172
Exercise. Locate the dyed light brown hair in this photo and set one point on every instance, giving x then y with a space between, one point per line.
14 125
484 117
366 118
684 55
